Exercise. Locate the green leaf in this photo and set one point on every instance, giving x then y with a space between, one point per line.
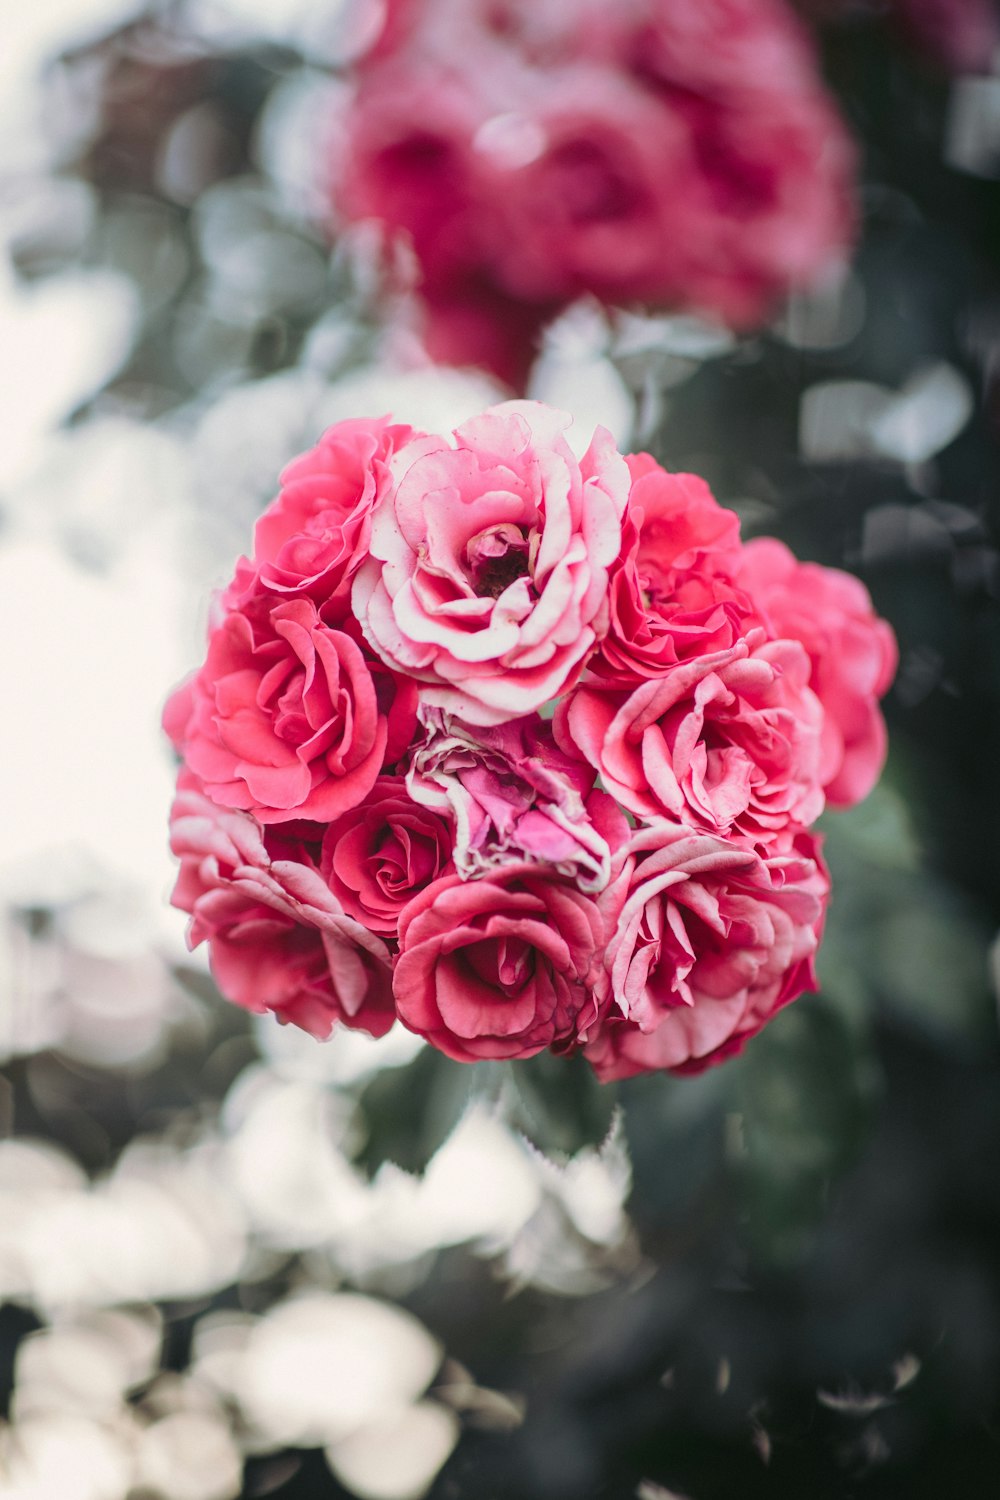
674 1131
803 1095
408 1112
558 1104
878 832
898 934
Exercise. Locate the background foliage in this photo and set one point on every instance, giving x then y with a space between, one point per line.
779 1278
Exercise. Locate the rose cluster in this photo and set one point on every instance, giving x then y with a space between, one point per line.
520 748
680 153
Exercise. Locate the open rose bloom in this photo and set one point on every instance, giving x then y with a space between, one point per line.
679 153
520 749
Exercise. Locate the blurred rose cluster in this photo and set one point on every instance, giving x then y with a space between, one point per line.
529 152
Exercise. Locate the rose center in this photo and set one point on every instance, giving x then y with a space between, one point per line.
504 964
496 558
291 718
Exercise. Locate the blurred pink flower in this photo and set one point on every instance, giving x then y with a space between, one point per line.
964 34
652 151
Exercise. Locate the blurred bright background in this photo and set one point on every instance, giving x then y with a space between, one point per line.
235 1262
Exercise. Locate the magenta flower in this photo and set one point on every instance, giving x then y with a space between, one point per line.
488 575
707 941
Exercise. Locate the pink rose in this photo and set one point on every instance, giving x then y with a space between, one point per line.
397 697
708 942
728 743
383 852
513 795
311 539
500 967
283 719
715 45
537 29
278 939
672 594
406 160
488 574
654 150
586 212
769 196
852 655
651 191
